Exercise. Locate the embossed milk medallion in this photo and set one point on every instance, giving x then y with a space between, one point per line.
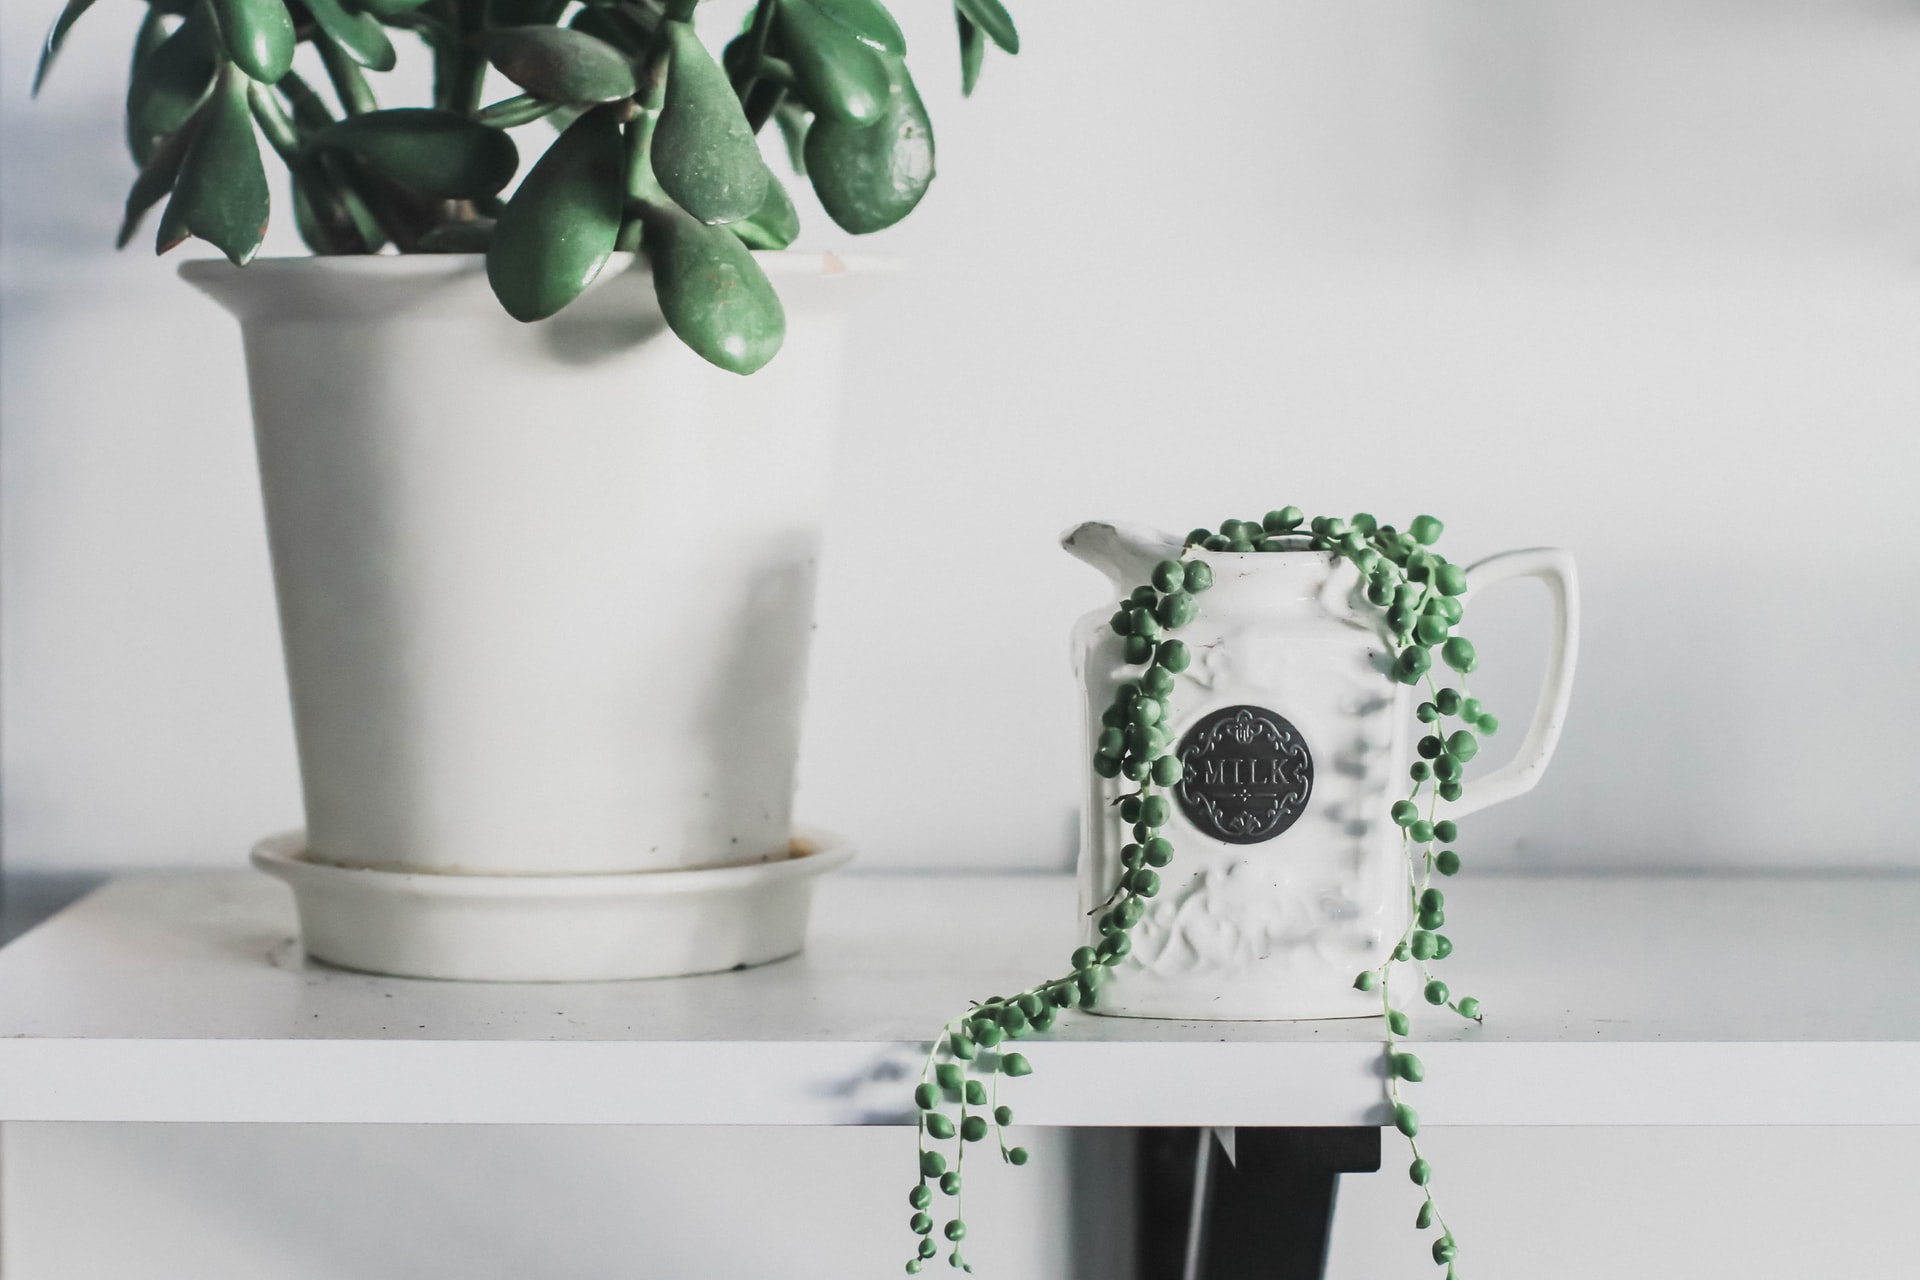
1248 775
1288 876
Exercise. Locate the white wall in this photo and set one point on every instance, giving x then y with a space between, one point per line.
1638 278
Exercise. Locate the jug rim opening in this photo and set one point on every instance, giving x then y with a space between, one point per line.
1286 553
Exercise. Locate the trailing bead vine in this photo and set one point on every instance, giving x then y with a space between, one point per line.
1416 595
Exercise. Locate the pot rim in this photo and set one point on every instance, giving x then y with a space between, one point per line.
1297 555
775 262
366 286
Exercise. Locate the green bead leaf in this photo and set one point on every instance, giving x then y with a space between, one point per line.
775 225
868 21
561 64
56 37
840 77
973 52
221 195
258 35
712 292
870 178
704 152
559 229
171 83
992 17
359 35
157 178
437 153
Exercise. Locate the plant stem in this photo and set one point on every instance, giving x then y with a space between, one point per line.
521 108
766 99
757 36
274 123
309 111
641 184
356 96
467 73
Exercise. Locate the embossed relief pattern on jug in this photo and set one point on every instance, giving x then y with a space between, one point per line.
1274 902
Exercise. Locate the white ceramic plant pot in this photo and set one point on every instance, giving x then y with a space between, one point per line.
1288 877
546 591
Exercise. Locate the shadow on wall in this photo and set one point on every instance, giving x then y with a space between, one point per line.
27 898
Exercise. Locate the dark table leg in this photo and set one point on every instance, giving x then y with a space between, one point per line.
1265 1216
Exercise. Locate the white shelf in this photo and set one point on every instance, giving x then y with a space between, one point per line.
1610 1001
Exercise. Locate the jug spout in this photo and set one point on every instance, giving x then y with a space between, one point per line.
1126 553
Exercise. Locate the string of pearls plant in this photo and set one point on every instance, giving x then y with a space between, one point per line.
1417 593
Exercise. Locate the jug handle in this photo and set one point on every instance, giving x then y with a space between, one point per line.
1554 568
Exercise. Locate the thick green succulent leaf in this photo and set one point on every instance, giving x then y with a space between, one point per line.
157 178
511 113
712 292
437 153
152 34
309 111
973 52
172 82
331 217
992 17
146 42
349 81
471 236
606 25
359 35
343 178
561 64
559 229
387 8
314 233
562 118
841 77
869 177
56 37
524 13
868 20
258 35
794 120
774 225
704 152
221 195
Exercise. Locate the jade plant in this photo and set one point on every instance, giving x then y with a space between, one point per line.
656 151
1416 597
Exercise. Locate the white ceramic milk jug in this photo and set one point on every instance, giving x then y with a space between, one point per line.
1288 877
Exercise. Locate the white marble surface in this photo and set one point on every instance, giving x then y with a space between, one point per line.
1610 1000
